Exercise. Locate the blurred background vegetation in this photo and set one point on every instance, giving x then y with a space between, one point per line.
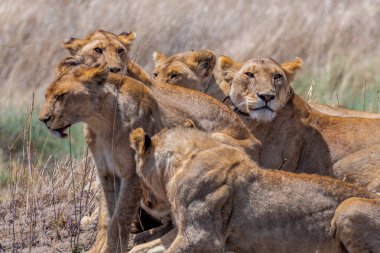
338 40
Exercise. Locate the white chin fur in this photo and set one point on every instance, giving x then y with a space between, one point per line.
263 115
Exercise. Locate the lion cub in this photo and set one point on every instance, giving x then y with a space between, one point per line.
222 201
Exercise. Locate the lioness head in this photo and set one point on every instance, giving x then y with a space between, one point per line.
191 70
72 97
153 164
102 47
145 149
259 87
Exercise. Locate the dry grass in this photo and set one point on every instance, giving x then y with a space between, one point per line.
43 213
337 39
44 201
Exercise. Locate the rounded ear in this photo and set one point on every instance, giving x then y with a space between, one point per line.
204 62
97 74
126 39
188 123
159 58
139 140
74 45
66 64
227 68
290 68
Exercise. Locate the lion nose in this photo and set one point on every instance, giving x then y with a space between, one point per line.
115 69
265 97
45 118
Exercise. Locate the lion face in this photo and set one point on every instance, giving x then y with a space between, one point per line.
71 97
101 48
191 70
152 205
148 163
261 87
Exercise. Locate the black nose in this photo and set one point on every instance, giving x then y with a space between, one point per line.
266 97
115 69
45 119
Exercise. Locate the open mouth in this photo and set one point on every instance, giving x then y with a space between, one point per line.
60 132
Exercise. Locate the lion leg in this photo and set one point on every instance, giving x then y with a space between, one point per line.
200 230
110 187
101 233
361 168
125 211
156 246
356 224
153 233
197 240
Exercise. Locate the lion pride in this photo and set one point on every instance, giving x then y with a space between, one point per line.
222 201
111 106
209 78
295 137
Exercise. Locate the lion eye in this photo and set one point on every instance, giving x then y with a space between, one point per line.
277 77
155 75
120 51
98 50
174 75
250 74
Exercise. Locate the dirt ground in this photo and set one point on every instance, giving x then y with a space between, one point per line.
53 221
48 228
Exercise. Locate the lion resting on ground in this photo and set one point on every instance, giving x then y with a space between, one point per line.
222 201
210 78
112 106
295 137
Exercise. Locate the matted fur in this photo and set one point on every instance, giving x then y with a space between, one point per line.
112 105
222 201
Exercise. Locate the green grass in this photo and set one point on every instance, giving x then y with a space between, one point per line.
333 84
19 131
5 177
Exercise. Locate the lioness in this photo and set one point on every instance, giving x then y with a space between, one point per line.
222 201
294 137
111 108
102 47
192 70
357 223
213 79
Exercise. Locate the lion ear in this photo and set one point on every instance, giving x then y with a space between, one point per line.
290 68
66 64
204 62
139 140
127 38
74 45
159 58
97 74
228 68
